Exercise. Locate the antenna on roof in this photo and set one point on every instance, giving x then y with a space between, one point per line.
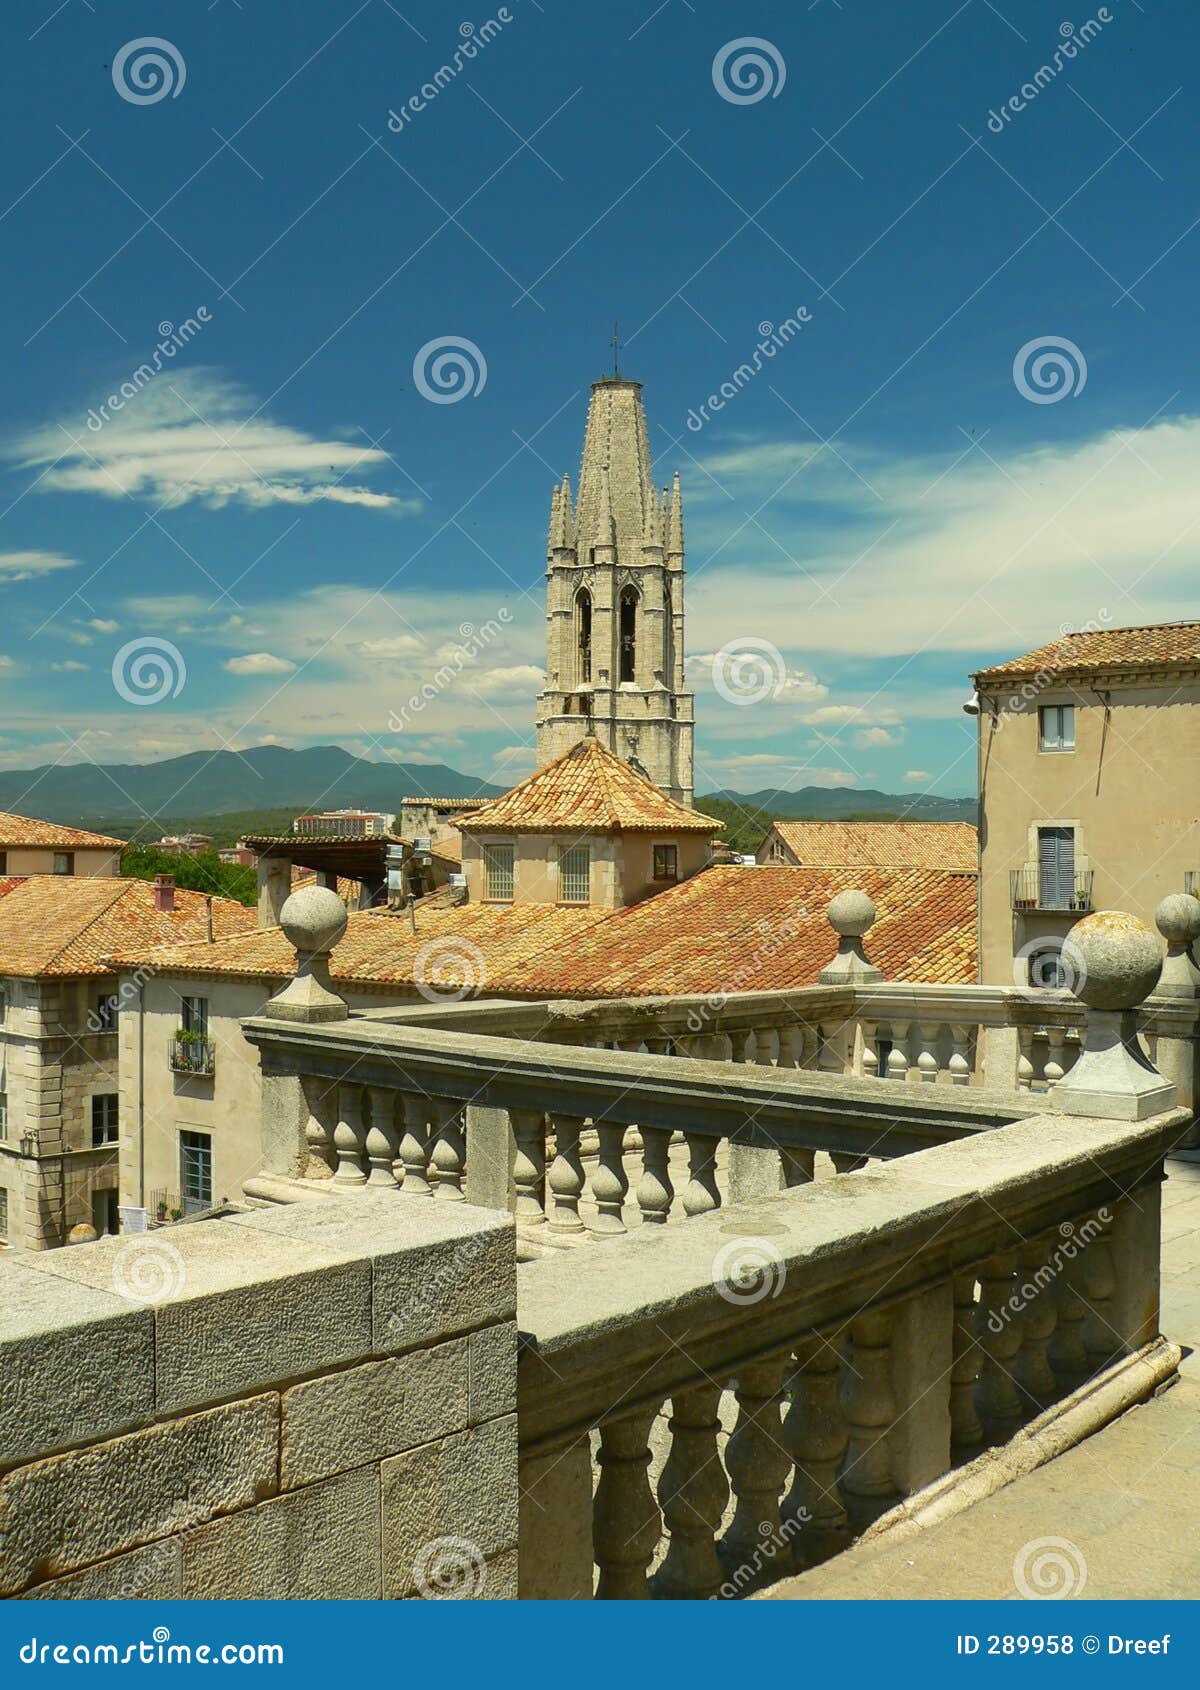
616 345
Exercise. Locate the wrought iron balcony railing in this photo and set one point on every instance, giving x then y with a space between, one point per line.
192 1054
1034 890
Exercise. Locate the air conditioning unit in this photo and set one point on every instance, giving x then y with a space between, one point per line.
458 880
423 844
746 862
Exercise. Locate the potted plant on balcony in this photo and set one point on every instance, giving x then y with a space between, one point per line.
160 1212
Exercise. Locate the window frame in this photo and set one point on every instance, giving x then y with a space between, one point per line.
200 1147
669 877
61 858
5 1218
193 1016
1059 743
106 1120
580 848
489 854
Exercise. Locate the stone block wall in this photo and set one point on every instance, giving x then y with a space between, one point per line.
306 1402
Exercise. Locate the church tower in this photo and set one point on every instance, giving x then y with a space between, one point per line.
614 603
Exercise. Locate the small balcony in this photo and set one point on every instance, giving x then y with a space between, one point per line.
1033 890
192 1053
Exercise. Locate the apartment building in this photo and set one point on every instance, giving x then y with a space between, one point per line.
28 846
1089 753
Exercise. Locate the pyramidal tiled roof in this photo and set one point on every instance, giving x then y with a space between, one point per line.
588 790
941 845
1157 645
16 831
69 924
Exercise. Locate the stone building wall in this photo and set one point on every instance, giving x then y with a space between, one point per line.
295 1403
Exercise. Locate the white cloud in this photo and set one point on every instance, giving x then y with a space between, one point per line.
259 663
522 680
877 736
394 645
26 566
103 625
513 758
918 776
196 436
70 667
5 662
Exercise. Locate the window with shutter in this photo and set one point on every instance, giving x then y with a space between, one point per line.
1056 867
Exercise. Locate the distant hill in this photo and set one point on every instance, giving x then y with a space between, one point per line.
843 804
211 783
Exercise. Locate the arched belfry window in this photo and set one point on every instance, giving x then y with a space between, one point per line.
629 600
583 638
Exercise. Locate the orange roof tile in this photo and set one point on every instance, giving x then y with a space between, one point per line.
588 790
16 831
449 848
942 845
764 930
1157 645
724 930
68 924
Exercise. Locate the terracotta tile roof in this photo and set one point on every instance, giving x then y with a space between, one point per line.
726 929
588 790
16 831
379 945
449 849
348 891
69 924
451 803
1158 645
942 845
765 929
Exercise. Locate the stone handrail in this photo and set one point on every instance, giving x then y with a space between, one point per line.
904 1318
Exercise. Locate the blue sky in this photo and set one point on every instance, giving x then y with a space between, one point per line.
881 503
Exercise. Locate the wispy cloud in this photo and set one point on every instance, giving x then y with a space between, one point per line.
197 437
26 566
259 663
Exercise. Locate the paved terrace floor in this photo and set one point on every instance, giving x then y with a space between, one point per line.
1127 1500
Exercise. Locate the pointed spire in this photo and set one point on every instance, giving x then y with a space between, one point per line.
566 513
552 531
605 532
675 528
560 518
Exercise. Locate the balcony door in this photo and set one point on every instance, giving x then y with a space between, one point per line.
195 1171
1056 868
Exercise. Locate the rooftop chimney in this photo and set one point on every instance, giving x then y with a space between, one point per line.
164 891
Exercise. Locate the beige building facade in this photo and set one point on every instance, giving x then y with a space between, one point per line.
1089 758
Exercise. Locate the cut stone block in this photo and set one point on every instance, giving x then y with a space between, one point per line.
447 1507
493 1372
152 1574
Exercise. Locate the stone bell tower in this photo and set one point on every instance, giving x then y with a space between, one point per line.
614 603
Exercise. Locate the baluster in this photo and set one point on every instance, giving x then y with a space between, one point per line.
701 1194
1025 1068
1100 1338
414 1145
965 1431
349 1136
927 1056
449 1149
960 1055
808 1040
897 1062
1000 1406
565 1178
1035 1323
692 1492
815 1435
610 1181
1068 1355
626 1523
870 1409
655 1191
321 1099
383 1141
1055 1067
739 1043
797 1166
529 1166
789 1046
757 1463
766 1046
831 1051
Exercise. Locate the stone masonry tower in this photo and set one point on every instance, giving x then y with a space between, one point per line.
614 603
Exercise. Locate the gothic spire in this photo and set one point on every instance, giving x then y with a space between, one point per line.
605 529
675 528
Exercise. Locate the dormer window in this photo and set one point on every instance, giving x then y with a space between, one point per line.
498 861
574 874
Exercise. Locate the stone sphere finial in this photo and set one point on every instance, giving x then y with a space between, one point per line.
313 919
84 1233
851 914
1178 918
1115 960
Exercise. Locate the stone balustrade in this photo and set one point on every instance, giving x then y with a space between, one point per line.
719 1405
